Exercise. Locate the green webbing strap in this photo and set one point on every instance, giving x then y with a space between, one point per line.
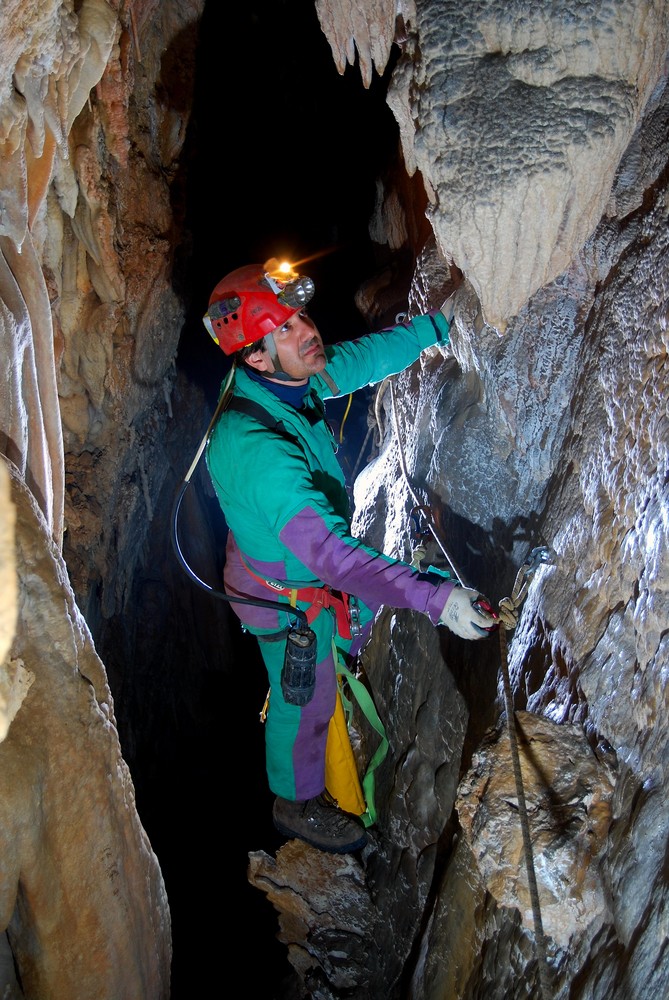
368 708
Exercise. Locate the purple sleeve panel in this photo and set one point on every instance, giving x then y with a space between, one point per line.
347 564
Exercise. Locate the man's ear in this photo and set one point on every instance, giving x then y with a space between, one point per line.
260 360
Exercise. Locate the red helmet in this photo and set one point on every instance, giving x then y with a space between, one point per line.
253 301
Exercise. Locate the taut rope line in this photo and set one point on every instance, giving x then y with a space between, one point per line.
516 599
415 498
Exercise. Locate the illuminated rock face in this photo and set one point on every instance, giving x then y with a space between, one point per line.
557 90
88 327
82 893
539 132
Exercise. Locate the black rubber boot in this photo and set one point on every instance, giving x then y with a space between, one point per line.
320 824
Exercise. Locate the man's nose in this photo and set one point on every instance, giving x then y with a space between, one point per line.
306 328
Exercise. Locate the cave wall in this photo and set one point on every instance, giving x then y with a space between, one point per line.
94 103
533 140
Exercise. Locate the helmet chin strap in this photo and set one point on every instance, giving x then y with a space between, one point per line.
278 372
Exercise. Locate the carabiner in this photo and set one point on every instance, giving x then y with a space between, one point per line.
354 617
418 533
537 557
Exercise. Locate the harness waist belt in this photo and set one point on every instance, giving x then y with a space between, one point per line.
317 598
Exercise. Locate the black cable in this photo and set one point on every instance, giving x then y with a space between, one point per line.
274 605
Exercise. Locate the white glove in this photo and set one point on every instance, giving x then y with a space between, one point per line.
462 617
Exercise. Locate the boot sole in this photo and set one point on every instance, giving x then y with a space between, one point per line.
329 848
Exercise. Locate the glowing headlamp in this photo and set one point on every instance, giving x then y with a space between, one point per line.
291 289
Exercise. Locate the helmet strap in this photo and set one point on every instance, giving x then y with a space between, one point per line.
278 372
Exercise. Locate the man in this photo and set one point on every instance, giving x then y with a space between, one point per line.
271 457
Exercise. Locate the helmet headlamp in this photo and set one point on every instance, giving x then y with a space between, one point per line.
291 289
297 293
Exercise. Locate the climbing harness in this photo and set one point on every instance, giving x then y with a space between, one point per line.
508 618
344 605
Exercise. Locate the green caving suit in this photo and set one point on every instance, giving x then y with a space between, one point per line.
284 497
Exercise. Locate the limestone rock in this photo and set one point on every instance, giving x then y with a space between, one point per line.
326 915
568 795
79 879
558 92
8 586
533 157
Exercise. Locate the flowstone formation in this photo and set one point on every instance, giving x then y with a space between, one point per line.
516 116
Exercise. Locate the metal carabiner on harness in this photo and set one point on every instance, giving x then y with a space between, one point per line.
354 617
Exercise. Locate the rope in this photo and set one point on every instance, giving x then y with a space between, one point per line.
417 502
508 613
361 453
511 606
343 419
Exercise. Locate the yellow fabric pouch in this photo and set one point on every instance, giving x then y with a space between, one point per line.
341 772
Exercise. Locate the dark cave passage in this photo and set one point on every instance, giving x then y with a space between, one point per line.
281 160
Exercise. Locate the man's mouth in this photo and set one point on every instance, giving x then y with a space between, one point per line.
313 348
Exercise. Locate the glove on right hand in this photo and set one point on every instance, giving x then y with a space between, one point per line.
461 617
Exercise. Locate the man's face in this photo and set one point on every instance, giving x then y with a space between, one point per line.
299 347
